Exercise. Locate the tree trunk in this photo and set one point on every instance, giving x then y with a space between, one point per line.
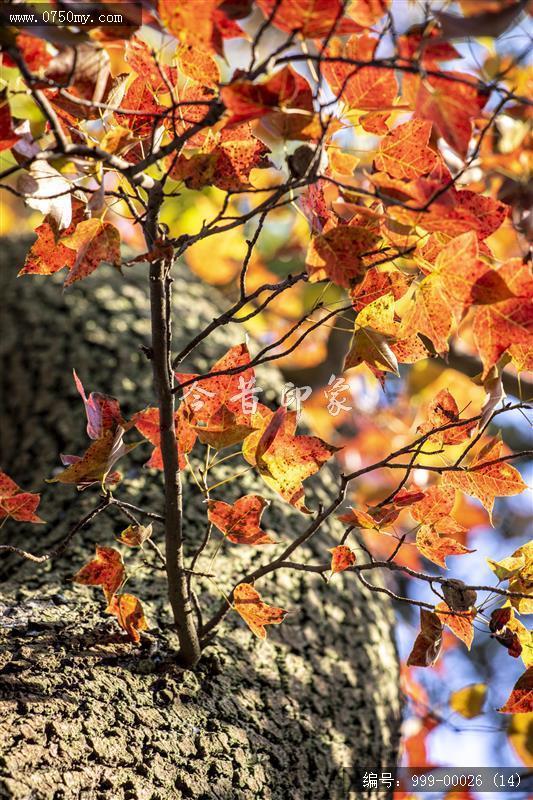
84 714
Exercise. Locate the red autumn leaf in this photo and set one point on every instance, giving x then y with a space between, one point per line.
147 423
520 701
313 19
437 547
443 410
286 89
461 623
203 24
8 137
48 254
486 480
451 106
342 557
16 503
241 521
368 12
102 410
94 241
106 570
407 497
428 643
198 65
342 254
247 602
506 322
156 76
33 51
205 398
444 296
285 460
403 153
129 613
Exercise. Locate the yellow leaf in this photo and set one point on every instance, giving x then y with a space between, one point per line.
469 701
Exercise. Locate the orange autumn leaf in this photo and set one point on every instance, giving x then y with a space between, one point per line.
359 519
403 153
363 88
285 460
375 284
96 463
247 602
505 323
367 12
443 410
373 331
436 546
341 254
94 241
48 254
459 622
106 570
520 701
428 643
443 297
198 65
437 503
240 522
16 503
129 613
486 480
135 535
286 89
342 557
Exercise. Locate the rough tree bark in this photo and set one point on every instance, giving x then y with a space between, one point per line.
84 714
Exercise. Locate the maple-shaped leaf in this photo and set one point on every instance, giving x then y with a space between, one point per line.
520 701
487 480
96 463
375 284
147 423
359 519
16 503
442 411
313 19
219 408
135 535
106 569
451 105
444 295
129 612
286 89
437 503
518 570
378 340
203 24
284 460
48 254
362 88
247 602
428 643
403 152
342 557
374 328
461 623
469 701
507 322
240 522
94 241
342 254
436 546
102 410
367 12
